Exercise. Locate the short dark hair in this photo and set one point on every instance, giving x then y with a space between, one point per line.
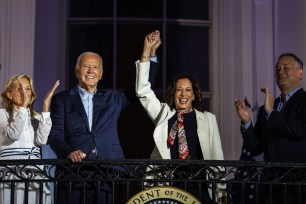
298 60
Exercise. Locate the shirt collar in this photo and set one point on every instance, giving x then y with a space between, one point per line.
16 110
84 93
289 95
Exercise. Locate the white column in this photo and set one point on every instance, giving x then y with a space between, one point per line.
242 62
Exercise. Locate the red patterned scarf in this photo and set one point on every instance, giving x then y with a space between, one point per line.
178 129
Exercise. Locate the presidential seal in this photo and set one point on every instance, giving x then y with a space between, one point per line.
163 195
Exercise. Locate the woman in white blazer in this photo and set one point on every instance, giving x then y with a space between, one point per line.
197 130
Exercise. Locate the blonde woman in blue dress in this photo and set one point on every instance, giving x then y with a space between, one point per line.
22 131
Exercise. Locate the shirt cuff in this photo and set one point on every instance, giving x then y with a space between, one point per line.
268 115
153 59
247 125
45 118
45 114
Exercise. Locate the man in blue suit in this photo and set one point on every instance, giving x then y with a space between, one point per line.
84 119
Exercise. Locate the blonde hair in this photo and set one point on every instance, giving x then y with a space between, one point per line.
10 85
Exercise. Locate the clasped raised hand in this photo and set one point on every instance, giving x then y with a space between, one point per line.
151 43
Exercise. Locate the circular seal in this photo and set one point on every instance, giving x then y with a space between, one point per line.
163 195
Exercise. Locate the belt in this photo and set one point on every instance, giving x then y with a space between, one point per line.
33 151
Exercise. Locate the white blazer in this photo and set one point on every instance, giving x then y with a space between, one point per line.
160 113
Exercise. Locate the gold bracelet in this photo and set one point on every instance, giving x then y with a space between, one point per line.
145 57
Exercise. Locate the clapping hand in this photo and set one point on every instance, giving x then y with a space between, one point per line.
48 97
25 98
269 100
242 110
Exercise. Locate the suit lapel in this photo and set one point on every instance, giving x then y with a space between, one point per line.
293 100
203 133
77 102
161 134
276 102
97 104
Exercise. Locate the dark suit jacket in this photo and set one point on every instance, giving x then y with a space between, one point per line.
282 138
70 129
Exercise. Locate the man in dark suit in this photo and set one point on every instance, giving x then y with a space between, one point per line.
280 130
84 119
